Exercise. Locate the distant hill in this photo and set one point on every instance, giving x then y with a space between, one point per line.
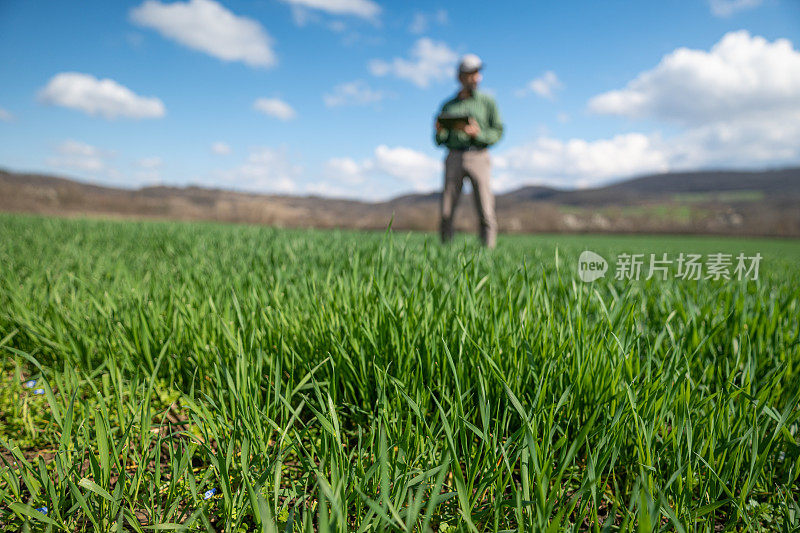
768 183
715 202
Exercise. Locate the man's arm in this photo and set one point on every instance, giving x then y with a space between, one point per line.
494 129
441 134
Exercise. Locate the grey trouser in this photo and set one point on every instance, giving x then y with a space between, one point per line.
475 165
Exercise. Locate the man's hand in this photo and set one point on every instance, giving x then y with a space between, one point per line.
472 129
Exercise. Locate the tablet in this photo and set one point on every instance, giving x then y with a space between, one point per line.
449 121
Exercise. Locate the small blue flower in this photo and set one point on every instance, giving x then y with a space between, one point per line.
31 383
39 391
209 493
42 510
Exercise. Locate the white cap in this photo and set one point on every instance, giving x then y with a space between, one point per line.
470 63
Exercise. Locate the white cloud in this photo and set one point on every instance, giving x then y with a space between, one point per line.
544 85
737 105
76 155
741 76
103 97
266 170
5 116
564 163
409 166
352 93
275 107
416 168
430 61
726 8
422 21
346 170
738 143
207 26
220 148
366 9
98 164
302 16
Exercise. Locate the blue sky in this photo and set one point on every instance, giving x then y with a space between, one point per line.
337 97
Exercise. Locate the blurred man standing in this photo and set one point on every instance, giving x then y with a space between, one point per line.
467 125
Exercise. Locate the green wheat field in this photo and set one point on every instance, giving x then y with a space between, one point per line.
210 377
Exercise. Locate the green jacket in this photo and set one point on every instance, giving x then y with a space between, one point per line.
483 109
